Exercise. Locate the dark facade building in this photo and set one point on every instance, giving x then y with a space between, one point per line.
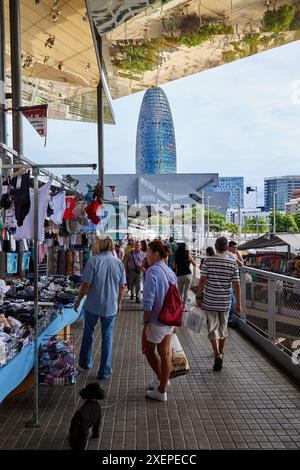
155 140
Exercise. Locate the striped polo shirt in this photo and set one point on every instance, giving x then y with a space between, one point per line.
220 271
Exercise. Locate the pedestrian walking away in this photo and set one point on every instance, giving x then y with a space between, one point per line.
218 274
234 254
104 282
134 270
182 262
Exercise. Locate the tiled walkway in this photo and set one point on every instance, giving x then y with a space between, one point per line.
250 404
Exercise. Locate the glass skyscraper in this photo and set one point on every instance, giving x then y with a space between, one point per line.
230 184
155 140
284 187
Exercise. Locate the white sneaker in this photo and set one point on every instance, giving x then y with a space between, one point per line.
156 395
154 384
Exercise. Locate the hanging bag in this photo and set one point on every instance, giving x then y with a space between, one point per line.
193 319
171 312
180 364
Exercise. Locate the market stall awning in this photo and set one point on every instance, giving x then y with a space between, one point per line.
145 43
268 241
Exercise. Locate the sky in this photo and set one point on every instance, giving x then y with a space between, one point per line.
240 119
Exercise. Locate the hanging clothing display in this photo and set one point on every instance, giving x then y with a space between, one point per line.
20 193
80 213
70 206
6 198
27 229
10 220
91 211
59 207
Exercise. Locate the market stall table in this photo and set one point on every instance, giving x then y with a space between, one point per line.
15 371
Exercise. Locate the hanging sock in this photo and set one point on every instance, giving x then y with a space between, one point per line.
91 211
20 192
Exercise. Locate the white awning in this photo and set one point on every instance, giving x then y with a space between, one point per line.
292 239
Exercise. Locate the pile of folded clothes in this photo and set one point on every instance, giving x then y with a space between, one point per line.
14 335
58 289
57 363
17 323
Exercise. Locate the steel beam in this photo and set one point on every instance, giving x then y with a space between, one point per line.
16 75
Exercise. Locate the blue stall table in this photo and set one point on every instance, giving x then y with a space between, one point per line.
15 371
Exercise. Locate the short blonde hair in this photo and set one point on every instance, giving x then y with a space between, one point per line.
103 244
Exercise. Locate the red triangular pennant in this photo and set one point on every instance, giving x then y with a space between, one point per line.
37 116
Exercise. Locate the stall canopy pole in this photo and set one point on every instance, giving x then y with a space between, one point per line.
16 74
35 420
100 123
3 121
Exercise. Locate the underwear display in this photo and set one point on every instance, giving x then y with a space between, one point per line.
17 310
20 192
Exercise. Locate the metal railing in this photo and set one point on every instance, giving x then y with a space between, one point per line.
271 307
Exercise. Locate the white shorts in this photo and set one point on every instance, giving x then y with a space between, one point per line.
158 332
217 324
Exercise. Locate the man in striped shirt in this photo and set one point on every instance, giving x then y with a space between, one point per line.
218 274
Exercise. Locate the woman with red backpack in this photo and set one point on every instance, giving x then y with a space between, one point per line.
160 297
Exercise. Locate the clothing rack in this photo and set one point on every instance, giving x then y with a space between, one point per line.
38 169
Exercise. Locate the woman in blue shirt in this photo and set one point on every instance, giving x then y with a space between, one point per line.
104 282
156 337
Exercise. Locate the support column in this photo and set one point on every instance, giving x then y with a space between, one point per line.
34 423
3 122
100 124
16 74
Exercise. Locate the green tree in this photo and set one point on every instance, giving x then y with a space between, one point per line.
231 227
217 221
297 219
253 226
284 222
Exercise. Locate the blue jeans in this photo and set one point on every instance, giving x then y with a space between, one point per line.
107 330
232 305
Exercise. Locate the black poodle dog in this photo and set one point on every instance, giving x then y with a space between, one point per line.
88 416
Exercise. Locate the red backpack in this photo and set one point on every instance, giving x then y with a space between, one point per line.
172 309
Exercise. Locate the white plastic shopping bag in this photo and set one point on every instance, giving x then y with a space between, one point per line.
193 319
180 363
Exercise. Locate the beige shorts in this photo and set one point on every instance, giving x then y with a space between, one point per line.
157 333
217 324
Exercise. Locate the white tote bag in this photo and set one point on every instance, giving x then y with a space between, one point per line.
193 319
180 362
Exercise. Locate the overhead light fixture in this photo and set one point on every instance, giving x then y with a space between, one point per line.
27 62
55 14
88 68
60 66
50 41
85 17
196 198
46 58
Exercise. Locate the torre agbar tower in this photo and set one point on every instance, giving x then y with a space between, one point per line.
155 140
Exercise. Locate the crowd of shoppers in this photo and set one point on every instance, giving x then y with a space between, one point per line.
148 268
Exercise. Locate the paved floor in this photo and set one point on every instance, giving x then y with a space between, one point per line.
250 404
